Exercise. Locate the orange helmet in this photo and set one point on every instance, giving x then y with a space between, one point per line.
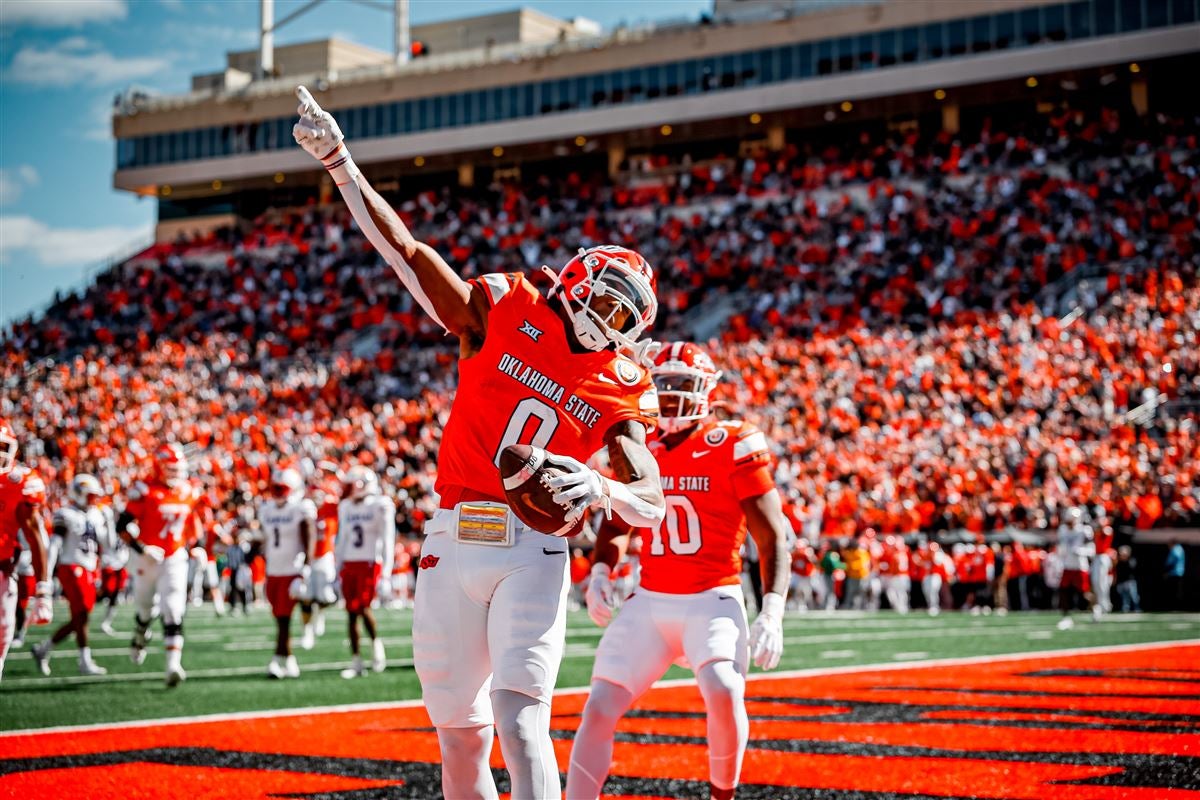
608 292
170 464
685 377
8 447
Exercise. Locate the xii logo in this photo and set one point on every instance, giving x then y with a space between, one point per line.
530 331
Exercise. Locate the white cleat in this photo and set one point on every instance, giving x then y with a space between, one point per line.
18 641
309 639
319 624
379 658
1065 624
1097 613
137 655
291 668
355 670
175 677
276 669
107 627
91 668
41 657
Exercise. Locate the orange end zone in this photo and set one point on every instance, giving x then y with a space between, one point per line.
1118 724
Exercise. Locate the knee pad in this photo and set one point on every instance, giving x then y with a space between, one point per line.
173 629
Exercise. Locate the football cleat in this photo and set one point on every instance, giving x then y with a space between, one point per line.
175 676
91 668
1065 624
137 655
355 670
107 627
379 657
276 669
291 668
308 640
18 641
41 657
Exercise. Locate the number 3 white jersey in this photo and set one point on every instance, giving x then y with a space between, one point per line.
366 530
280 521
83 533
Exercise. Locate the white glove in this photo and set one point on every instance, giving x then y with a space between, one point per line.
298 589
154 553
601 595
43 605
317 131
581 487
766 634
383 590
199 554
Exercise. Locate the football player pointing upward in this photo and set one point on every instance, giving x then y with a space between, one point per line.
490 618
717 481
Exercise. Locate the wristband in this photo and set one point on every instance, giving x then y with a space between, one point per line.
772 605
341 166
42 589
629 507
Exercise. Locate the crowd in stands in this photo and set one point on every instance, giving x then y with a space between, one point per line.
895 340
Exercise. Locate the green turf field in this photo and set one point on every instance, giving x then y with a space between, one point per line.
226 659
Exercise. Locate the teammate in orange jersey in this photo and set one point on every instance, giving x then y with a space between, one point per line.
22 494
893 572
490 615
160 522
718 483
807 586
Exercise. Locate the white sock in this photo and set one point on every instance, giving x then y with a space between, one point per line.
591 754
724 691
85 655
465 754
524 726
173 645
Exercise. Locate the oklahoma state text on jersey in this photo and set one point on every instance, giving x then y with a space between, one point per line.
20 485
163 513
527 386
704 479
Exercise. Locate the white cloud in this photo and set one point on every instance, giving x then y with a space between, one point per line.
63 247
14 181
60 13
97 127
76 62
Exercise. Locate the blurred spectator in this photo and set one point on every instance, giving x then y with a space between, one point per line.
1126 583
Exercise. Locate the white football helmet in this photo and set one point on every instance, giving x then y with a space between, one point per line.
8 447
84 487
360 481
286 485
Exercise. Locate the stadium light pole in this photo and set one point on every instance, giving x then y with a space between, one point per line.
266 38
403 42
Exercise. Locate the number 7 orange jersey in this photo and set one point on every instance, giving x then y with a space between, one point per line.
704 479
163 513
527 386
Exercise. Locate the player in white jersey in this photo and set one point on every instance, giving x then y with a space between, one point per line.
366 543
114 576
79 532
1075 548
287 520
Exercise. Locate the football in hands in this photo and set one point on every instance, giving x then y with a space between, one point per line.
524 471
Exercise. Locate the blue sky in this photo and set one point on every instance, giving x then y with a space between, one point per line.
62 61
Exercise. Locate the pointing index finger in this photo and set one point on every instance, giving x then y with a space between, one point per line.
307 103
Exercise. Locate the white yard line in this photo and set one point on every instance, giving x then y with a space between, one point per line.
757 677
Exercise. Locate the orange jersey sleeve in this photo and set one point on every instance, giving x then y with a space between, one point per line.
704 480
20 485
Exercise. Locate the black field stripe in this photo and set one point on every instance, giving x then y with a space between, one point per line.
1036 693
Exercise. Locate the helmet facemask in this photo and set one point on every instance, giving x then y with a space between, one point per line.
8 450
611 303
683 394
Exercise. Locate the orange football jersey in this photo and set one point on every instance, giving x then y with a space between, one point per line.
327 523
704 478
526 386
163 513
20 485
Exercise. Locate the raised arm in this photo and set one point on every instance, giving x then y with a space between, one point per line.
443 295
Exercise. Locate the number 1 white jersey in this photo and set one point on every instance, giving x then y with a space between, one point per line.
365 526
83 534
280 521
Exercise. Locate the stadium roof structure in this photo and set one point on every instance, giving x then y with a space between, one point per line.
484 105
